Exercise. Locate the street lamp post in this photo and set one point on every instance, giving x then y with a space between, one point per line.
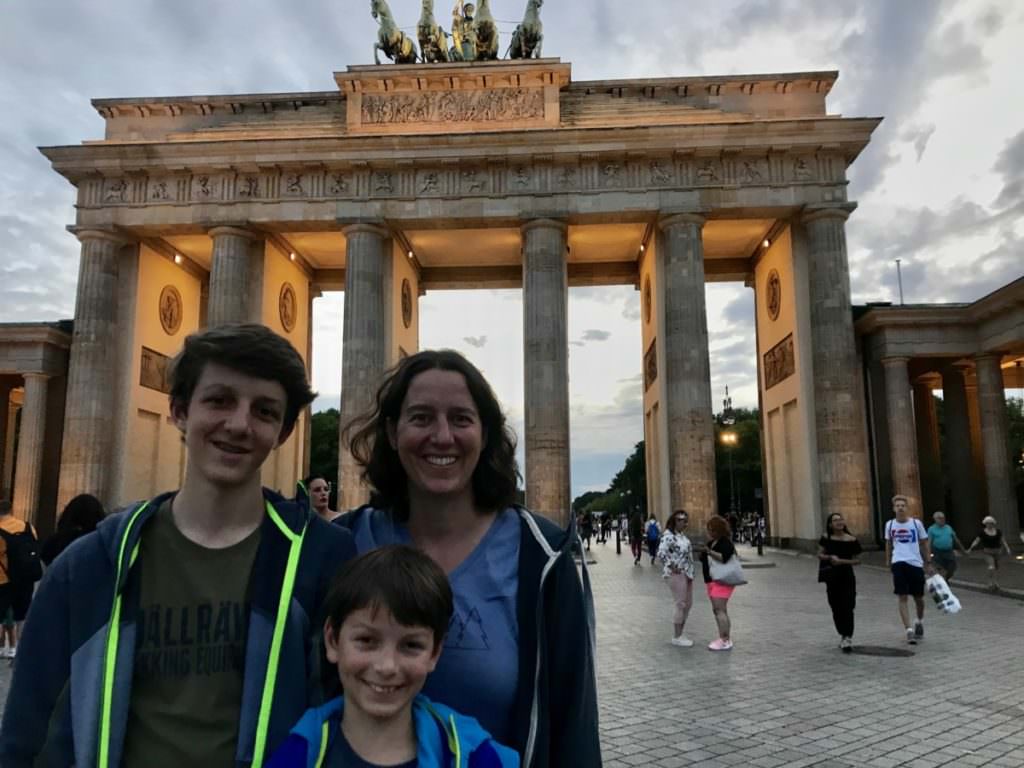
730 439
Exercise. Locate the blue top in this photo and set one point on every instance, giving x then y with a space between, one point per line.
341 755
941 536
444 739
478 672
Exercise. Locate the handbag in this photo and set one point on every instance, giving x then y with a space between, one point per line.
729 573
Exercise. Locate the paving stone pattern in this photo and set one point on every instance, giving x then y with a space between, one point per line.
785 695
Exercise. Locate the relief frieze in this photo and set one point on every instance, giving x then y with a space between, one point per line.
589 174
453 106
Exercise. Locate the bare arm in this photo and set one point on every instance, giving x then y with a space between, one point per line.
888 553
973 544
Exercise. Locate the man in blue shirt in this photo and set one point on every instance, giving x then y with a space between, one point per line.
944 542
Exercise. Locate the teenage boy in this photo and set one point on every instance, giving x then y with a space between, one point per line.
179 633
907 549
387 615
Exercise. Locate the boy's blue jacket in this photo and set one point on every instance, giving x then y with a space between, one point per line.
54 707
444 739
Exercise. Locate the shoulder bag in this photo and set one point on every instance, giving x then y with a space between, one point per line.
729 573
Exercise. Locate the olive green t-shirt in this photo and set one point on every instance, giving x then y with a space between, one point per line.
190 649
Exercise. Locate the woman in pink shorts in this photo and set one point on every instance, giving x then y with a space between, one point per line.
719 546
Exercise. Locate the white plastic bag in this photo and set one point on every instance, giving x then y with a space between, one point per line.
943 596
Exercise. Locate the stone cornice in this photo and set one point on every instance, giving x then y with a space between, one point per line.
173 106
34 333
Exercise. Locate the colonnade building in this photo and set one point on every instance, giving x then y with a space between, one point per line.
405 179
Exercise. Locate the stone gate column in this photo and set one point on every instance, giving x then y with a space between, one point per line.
236 277
963 489
31 438
906 477
363 353
92 372
691 434
838 410
5 424
546 368
995 441
7 481
933 495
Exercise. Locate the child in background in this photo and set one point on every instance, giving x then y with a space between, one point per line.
387 615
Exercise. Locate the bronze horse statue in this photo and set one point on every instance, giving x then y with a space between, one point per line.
486 32
529 34
396 45
433 40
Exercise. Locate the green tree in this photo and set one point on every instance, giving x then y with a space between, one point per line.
745 454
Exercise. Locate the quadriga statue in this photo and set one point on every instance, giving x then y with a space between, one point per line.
529 34
390 39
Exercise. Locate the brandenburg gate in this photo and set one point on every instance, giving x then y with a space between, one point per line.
410 178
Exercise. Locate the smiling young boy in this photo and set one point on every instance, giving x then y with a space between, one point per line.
181 631
387 615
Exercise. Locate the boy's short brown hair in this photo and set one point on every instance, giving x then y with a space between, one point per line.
248 348
399 578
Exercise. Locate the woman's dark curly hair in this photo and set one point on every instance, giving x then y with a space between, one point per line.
497 473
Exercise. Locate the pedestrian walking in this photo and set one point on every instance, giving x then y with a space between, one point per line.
636 537
838 552
907 550
993 544
20 569
944 543
676 554
653 534
719 547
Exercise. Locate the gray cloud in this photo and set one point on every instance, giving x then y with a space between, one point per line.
919 137
592 334
1010 165
475 341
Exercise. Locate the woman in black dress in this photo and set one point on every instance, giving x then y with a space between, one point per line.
838 551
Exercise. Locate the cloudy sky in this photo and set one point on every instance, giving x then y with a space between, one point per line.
941 186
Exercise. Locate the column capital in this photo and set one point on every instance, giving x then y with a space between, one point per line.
895 360
109 235
26 375
367 227
833 211
668 220
233 229
543 223
985 357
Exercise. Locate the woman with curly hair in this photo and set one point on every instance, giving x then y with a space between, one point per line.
718 547
519 656
676 553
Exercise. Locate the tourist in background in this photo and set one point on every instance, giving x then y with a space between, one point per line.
907 550
719 547
636 536
676 554
439 458
994 545
838 552
20 569
652 532
944 543
81 516
319 489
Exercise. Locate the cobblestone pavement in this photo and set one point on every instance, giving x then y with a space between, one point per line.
785 695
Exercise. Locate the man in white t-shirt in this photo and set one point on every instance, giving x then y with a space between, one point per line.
907 550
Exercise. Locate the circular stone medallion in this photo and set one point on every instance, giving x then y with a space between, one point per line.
287 306
648 299
773 295
170 310
406 303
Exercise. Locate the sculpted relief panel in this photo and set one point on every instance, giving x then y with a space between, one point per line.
453 106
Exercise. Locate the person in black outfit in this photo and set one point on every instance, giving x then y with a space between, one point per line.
838 551
81 516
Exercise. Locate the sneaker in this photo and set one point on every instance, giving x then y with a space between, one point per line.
911 639
718 644
918 629
682 641
12 652
846 645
